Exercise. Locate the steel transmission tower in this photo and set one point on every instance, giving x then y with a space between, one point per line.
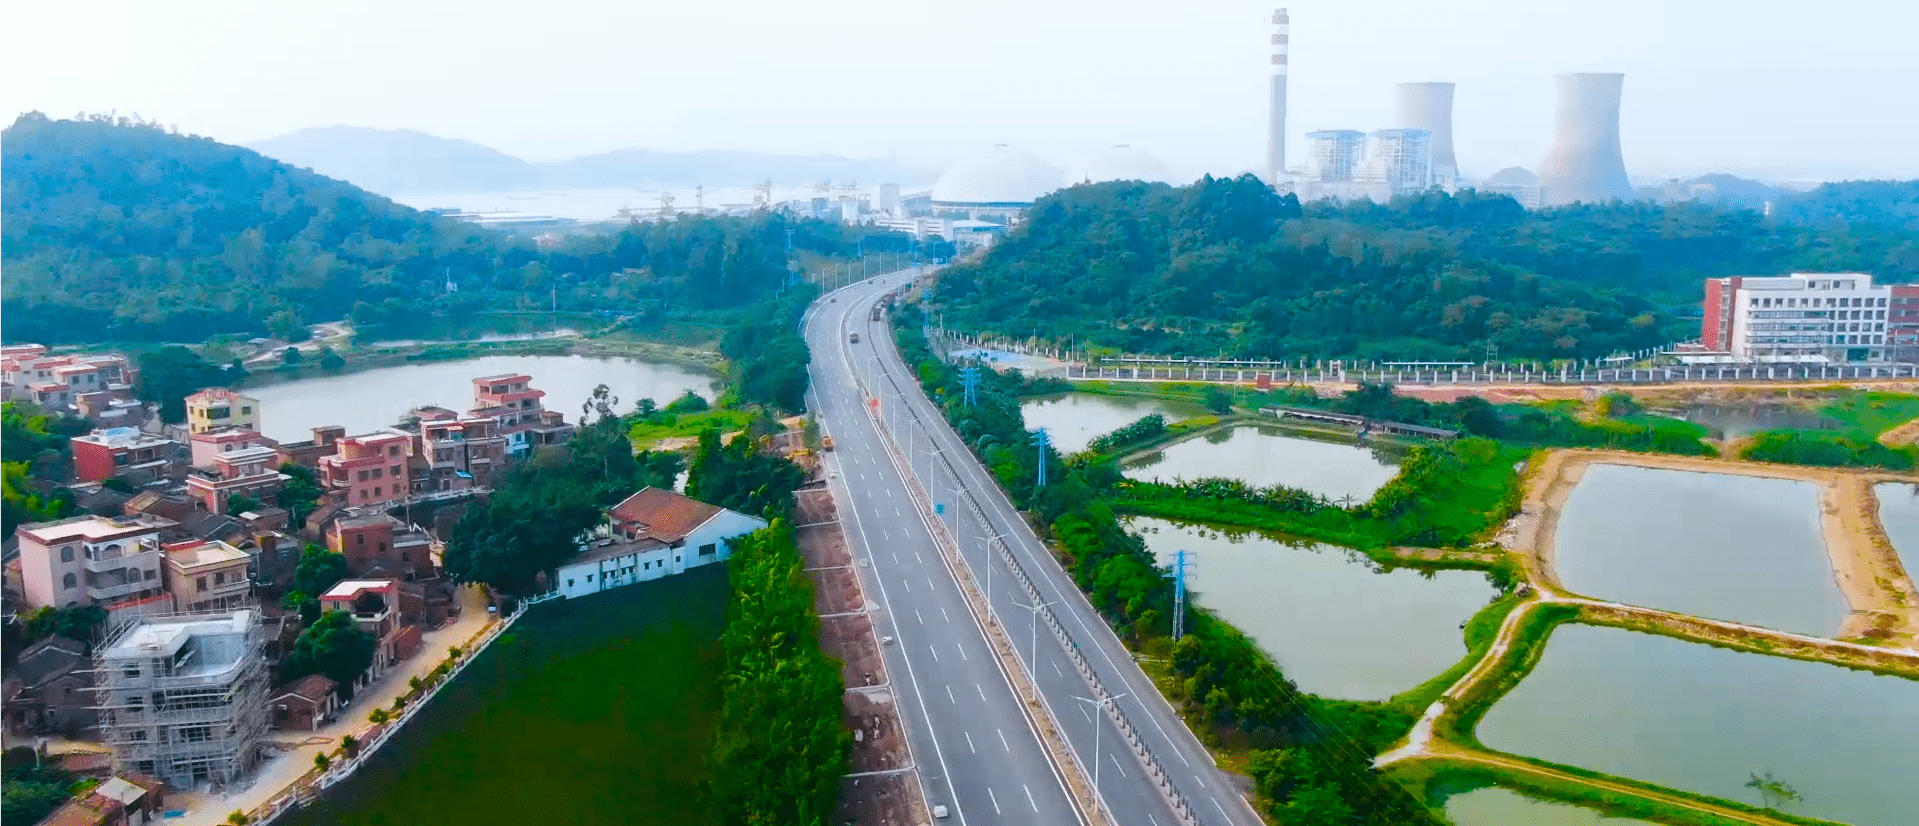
969 379
1180 568
1041 441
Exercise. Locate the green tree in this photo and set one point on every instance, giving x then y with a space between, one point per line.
290 356
21 504
330 360
1217 400
688 402
334 646
80 622
241 503
285 325
318 570
170 374
1772 792
739 476
301 494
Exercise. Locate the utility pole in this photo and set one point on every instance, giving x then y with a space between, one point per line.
1180 566
986 545
1032 664
969 379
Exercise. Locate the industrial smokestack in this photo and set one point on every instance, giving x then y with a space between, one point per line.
1276 124
1429 106
1584 163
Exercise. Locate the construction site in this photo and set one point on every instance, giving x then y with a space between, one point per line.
183 697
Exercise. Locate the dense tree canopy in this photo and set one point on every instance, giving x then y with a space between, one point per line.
334 646
1227 267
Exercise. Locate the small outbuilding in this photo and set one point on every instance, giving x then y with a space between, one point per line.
305 704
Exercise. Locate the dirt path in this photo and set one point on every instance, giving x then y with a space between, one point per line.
1904 434
1450 751
1882 597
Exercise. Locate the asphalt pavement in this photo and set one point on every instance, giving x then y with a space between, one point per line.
885 527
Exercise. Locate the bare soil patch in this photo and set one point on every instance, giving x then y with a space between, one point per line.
835 590
889 800
879 742
851 640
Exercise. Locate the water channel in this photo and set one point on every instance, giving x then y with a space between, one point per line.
1705 719
590 711
1728 547
1493 806
1266 456
1336 626
1073 420
1899 513
1734 421
372 399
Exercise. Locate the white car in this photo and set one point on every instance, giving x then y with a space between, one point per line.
939 812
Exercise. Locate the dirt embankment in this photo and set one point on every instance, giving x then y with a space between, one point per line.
1904 434
1865 567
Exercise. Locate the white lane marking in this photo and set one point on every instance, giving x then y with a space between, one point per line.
982 692
1201 780
936 653
930 586
907 585
994 798
916 558
1155 820
962 650
969 743
949 695
896 559
889 493
1056 669
1116 765
1085 714
1222 809
896 512
943 615
1034 803
916 615
1002 740
884 536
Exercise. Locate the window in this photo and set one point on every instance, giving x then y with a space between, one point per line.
69 581
569 583
130 671
220 577
379 548
245 410
151 574
589 577
200 584
396 471
393 450
66 554
378 491
359 539
708 549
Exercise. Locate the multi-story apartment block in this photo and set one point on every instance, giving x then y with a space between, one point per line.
369 469
232 461
456 452
208 576
124 452
511 402
381 545
1804 318
184 697
90 560
220 407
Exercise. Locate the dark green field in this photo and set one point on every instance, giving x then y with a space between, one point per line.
590 711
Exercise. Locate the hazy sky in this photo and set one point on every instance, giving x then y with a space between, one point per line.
1786 90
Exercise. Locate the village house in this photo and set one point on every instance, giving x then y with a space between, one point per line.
381 545
305 704
220 407
653 533
132 799
125 453
375 607
49 690
519 412
209 576
232 461
369 469
90 559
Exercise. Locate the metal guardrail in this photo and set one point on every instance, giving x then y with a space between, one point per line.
1480 376
1177 801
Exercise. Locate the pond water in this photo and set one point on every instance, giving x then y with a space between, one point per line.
1899 513
1267 456
1705 719
477 327
1734 421
1073 420
1334 624
372 399
589 711
1493 806
1738 548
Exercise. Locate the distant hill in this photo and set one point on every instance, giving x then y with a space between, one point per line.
404 162
1887 203
400 161
1720 190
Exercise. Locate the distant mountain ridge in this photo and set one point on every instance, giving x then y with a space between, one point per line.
405 162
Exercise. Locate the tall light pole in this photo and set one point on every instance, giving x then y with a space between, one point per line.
1032 663
1101 706
986 547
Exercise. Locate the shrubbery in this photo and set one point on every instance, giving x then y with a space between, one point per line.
1821 449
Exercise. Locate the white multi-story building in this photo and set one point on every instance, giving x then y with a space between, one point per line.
1810 318
652 534
86 560
183 697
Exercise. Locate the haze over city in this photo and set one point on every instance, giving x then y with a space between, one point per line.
1777 90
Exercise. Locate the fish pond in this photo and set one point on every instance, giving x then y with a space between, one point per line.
1739 548
1899 513
1494 806
1266 456
1706 720
1337 626
1074 420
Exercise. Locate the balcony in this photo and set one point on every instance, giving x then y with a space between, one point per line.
144 557
107 593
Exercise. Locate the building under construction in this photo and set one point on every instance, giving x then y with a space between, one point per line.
183 697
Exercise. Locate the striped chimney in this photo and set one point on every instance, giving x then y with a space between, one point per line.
1276 125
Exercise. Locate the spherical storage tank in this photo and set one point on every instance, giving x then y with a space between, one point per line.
998 177
1122 163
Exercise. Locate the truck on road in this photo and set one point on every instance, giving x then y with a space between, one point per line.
854 337
826 443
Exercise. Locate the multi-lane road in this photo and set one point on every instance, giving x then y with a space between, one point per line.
977 752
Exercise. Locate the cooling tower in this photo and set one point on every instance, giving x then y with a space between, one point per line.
1584 163
1429 106
1276 124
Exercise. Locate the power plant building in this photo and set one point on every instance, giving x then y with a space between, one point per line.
1335 155
1584 163
1350 165
1515 181
1122 163
999 183
1398 162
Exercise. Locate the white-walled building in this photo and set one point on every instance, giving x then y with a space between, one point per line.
85 560
654 533
184 698
1814 318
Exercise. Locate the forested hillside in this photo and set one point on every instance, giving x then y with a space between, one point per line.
1227 267
122 230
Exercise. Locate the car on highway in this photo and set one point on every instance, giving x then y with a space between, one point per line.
854 337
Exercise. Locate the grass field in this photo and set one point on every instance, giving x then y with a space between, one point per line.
1867 414
590 711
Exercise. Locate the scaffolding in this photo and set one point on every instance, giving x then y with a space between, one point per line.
183 697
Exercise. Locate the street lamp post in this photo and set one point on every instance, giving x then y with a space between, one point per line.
1100 705
1032 663
986 547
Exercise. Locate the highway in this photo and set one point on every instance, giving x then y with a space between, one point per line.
885 527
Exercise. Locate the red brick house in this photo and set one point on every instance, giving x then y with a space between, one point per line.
305 704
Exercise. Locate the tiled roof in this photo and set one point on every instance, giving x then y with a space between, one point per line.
665 515
313 687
